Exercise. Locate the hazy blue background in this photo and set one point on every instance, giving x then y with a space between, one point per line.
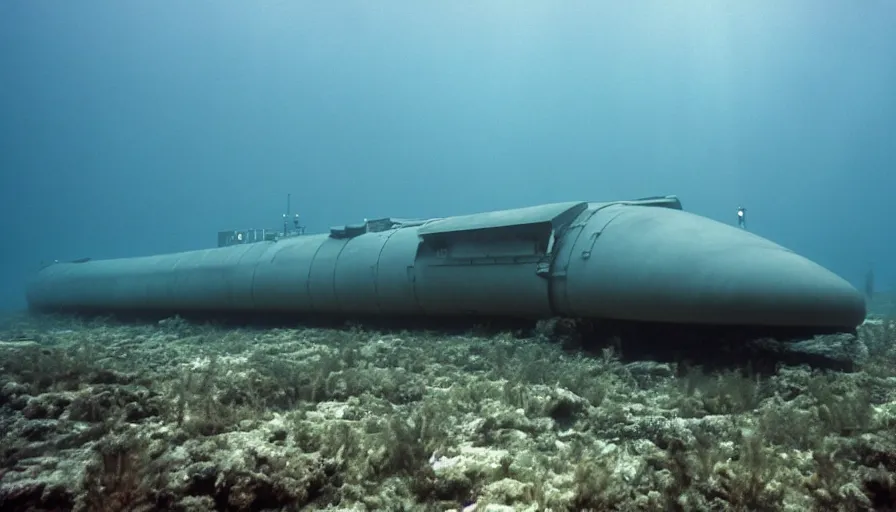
136 127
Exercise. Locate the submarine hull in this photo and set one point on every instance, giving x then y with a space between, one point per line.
642 260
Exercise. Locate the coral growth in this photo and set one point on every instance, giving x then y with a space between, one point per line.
180 416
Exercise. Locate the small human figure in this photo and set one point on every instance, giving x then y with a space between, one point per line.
742 217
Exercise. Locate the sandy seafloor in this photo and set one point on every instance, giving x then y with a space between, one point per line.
172 415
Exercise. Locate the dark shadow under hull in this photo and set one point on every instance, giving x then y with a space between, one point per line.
759 348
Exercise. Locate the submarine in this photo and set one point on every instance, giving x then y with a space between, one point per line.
642 260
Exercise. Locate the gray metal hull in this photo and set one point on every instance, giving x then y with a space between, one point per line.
644 260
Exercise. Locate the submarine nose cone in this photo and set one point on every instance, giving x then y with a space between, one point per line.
776 286
655 264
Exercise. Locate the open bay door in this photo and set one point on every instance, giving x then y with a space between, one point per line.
494 263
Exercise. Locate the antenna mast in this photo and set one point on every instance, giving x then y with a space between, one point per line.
286 215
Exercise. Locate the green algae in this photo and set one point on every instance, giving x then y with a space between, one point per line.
181 416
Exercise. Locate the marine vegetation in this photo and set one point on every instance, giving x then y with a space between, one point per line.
105 416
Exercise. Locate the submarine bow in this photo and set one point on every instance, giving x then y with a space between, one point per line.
641 260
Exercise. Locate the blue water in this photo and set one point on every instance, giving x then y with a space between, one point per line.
129 128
